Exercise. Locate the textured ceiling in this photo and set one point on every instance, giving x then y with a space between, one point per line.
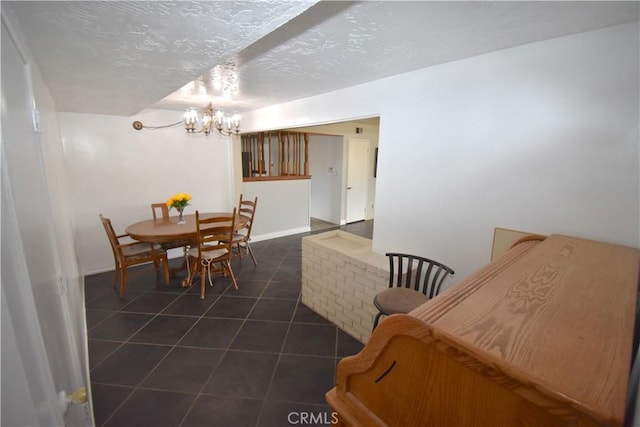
119 57
122 57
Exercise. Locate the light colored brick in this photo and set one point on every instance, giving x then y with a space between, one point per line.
353 316
338 261
339 278
363 331
326 296
355 302
329 312
371 293
363 301
336 292
341 287
337 308
328 265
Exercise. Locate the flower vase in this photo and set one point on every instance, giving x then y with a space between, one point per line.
180 218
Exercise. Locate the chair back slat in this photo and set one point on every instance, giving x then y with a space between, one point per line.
418 273
418 276
438 279
247 209
409 273
426 279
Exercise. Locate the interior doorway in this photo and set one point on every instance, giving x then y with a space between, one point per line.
333 169
357 179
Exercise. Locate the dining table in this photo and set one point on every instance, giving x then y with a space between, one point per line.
168 229
165 230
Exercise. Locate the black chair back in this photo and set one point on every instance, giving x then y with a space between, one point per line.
418 273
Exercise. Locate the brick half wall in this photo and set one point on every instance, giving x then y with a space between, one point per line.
340 277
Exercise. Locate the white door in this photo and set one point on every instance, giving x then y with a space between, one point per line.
37 317
357 179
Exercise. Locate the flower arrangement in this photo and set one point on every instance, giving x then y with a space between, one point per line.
178 201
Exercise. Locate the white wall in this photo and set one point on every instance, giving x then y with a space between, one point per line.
71 311
119 171
541 137
325 167
282 209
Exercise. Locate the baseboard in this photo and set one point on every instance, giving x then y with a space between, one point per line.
97 271
282 233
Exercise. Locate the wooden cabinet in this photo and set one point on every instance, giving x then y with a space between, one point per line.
541 336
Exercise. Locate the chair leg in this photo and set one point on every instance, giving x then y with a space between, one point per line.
202 280
165 265
116 276
191 267
253 257
377 319
123 282
230 271
156 267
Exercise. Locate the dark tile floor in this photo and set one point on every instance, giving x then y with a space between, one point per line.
246 357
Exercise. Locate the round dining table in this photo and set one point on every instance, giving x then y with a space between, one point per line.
165 230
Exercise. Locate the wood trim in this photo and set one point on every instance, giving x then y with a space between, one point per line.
289 152
275 178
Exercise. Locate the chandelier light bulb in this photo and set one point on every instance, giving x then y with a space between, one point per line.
219 118
190 119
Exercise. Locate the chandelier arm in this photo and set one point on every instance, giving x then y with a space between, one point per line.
226 133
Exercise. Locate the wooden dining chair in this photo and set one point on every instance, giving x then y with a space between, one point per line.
163 210
133 253
241 238
160 207
413 280
212 252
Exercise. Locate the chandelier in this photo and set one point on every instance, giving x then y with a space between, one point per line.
203 121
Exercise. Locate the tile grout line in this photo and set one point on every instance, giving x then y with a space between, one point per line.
137 386
275 368
134 388
288 246
224 353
